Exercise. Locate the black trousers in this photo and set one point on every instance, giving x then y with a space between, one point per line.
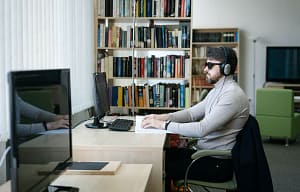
206 169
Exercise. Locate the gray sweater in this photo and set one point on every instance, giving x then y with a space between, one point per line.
217 119
35 114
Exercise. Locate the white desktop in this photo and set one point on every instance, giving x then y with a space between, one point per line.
128 147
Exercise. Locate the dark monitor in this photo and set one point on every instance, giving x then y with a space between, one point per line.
101 100
283 64
38 100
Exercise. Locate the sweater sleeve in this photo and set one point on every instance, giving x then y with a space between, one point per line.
34 113
25 130
225 107
193 113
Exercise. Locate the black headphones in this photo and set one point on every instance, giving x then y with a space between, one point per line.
225 67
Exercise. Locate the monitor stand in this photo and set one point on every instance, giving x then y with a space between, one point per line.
96 124
56 188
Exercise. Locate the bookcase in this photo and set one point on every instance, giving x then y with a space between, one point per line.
201 39
144 46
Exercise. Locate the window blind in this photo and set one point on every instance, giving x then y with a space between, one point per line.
47 34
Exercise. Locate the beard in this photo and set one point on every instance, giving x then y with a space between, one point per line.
211 81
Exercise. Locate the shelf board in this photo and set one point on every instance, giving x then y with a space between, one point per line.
156 108
114 48
220 29
233 44
160 108
144 18
199 58
202 86
143 49
164 49
151 78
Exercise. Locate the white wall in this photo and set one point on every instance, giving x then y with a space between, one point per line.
271 22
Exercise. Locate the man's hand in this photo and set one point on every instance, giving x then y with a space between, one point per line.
162 117
61 121
153 123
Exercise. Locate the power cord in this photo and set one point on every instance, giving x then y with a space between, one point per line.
4 155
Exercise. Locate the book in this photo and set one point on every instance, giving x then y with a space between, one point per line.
120 97
119 67
150 93
126 96
182 95
140 96
114 95
161 95
101 8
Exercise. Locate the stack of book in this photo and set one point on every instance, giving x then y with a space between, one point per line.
144 8
157 95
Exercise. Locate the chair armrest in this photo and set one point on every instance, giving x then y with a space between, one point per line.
203 153
197 155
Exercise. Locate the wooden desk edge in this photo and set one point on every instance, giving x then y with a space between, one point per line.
6 187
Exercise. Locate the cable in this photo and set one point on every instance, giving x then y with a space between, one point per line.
186 175
216 98
4 155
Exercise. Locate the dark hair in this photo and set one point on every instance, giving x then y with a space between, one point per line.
218 53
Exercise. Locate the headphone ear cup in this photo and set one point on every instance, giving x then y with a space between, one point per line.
226 68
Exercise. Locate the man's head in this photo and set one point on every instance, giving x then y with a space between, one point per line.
220 61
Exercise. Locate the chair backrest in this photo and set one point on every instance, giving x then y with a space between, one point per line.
275 102
249 160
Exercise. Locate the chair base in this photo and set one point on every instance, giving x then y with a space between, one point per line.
286 141
228 185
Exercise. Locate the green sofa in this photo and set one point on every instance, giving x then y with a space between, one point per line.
275 113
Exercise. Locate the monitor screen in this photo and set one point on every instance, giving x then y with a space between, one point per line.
283 64
101 100
40 104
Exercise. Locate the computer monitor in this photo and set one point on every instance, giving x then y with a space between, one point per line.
38 99
101 100
283 64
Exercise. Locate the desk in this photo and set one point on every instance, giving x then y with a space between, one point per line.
129 177
127 147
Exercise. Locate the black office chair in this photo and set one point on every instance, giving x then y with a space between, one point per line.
229 185
251 170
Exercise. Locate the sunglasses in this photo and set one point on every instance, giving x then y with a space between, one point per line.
210 65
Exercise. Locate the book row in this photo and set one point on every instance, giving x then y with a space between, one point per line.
144 8
200 81
170 66
215 36
200 52
157 36
157 95
197 94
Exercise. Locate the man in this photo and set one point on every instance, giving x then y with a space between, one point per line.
43 120
215 121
